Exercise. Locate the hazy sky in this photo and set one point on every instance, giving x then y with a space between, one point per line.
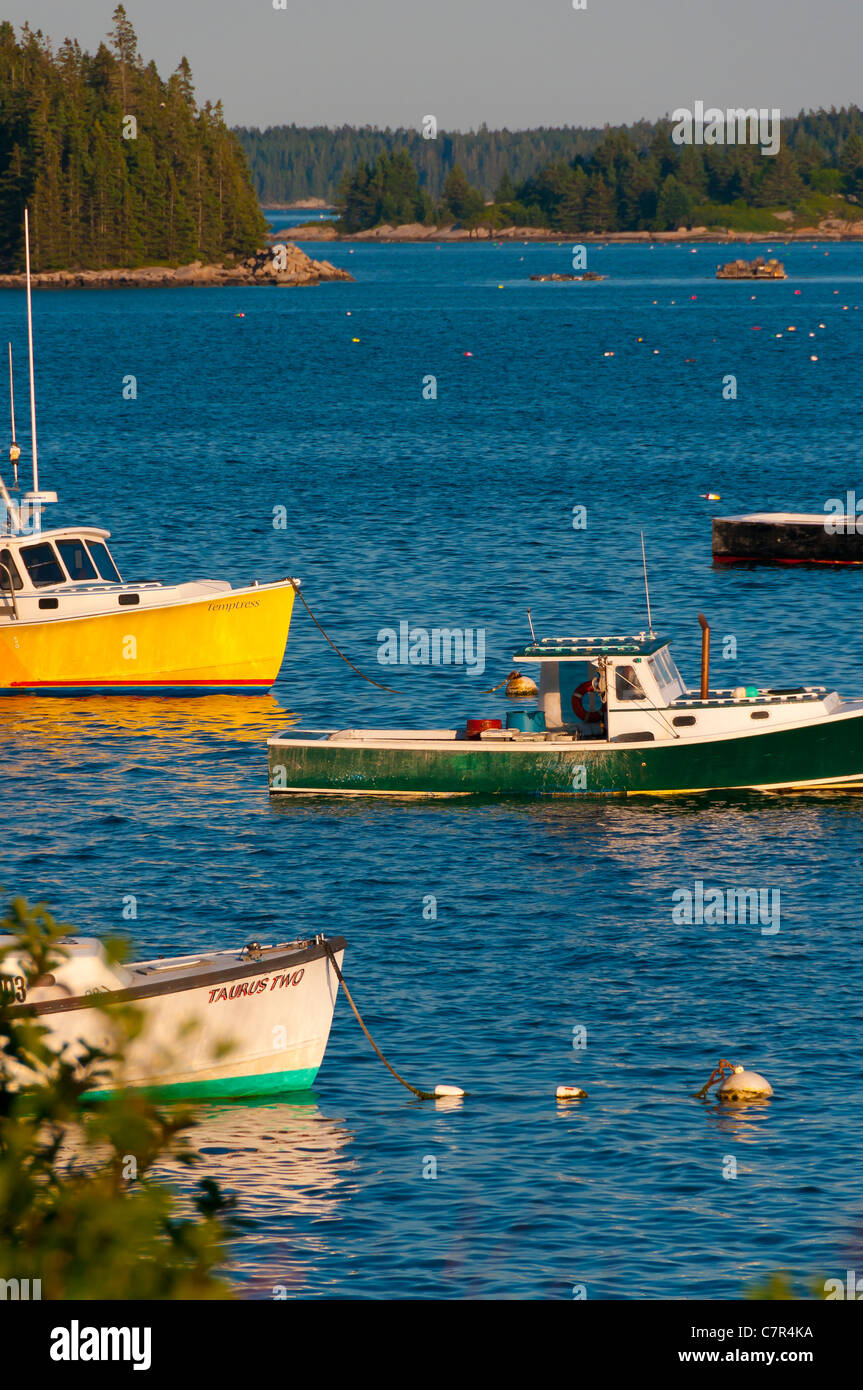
506 62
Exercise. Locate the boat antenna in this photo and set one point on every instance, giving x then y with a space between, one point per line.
30 346
14 451
646 586
532 633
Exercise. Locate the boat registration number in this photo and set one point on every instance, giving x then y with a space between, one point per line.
13 987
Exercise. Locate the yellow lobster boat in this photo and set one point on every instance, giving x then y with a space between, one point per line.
69 624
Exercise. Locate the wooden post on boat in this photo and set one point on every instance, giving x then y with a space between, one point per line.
705 656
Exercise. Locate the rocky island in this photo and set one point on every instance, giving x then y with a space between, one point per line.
292 269
759 269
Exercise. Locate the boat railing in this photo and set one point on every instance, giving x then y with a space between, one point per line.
6 575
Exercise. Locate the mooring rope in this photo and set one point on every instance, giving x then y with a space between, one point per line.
722 1069
423 1095
388 688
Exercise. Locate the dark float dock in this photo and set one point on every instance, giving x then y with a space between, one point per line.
788 538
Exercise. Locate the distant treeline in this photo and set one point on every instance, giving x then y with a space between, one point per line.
291 163
623 186
118 167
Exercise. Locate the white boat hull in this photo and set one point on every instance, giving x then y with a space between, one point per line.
223 1025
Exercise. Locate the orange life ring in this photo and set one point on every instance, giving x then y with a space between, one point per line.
579 708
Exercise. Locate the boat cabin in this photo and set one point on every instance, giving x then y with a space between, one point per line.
69 572
35 569
609 688
628 690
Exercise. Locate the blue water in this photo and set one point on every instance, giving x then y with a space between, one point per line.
458 512
294 217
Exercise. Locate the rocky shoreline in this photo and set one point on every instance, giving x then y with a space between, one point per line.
829 229
298 270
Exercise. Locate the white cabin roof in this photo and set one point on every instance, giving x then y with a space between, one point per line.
57 533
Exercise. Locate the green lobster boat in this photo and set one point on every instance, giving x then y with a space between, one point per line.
613 717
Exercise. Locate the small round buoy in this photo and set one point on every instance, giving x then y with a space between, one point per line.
710 496
468 354
812 357
570 1093
441 1090
519 687
744 1085
355 340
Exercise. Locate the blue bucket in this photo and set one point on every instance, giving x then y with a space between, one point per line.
528 721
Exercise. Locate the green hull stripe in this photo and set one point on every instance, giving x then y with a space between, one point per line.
819 753
226 1087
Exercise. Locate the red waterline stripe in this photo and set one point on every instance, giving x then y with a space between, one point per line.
775 560
29 685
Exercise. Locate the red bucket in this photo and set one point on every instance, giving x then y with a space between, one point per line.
474 727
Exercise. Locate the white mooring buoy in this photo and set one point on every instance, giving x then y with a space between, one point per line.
570 1093
441 1090
744 1085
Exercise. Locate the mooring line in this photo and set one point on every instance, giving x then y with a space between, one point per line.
388 688
423 1095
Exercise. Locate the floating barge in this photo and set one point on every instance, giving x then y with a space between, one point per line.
614 718
759 269
788 538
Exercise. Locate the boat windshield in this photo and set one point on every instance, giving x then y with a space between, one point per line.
665 670
42 564
104 563
74 556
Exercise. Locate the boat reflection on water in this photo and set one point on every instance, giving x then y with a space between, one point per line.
290 1168
150 730
249 718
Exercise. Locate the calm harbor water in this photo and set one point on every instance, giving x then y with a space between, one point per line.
458 512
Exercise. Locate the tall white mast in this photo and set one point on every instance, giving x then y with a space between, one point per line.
30 344
13 451
646 588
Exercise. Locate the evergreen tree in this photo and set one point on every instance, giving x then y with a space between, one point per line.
600 209
505 191
781 182
178 190
459 201
674 207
